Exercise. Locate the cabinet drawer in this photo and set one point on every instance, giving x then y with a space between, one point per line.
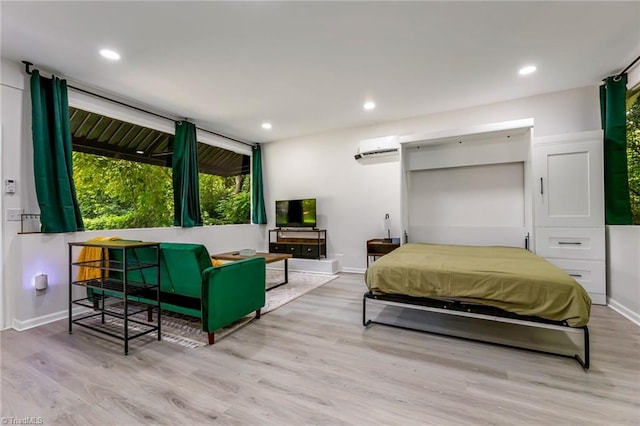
589 273
277 248
293 249
571 243
309 251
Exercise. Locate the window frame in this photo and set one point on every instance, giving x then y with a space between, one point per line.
136 115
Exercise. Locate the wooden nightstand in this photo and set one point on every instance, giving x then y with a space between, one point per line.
381 246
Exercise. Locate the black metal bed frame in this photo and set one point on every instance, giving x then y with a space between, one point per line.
479 312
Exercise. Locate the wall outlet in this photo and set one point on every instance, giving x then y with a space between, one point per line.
14 214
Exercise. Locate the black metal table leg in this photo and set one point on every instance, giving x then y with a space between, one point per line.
125 295
286 271
70 290
286 276
158 278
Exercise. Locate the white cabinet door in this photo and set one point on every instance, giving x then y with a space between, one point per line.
568 171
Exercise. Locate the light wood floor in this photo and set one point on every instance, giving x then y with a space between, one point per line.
312 362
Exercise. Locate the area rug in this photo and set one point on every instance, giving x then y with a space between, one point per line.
186 331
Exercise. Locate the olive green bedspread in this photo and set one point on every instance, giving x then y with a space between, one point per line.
509 278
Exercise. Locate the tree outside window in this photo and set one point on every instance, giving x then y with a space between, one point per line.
633 151
121 194
123 176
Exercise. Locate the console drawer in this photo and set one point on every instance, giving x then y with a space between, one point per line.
277 248
309 251
293 249
571 243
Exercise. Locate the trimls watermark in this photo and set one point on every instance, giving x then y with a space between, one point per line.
22 420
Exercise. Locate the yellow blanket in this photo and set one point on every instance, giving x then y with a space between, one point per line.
88 254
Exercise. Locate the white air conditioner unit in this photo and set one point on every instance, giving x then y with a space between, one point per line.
378 147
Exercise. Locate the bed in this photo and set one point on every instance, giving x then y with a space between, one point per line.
506 284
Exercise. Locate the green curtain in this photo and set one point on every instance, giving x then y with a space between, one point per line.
52 149
186 189
616 180
258 213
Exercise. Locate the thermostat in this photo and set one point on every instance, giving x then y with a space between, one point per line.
9 186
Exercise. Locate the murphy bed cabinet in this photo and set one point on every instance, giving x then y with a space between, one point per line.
569 207
302 243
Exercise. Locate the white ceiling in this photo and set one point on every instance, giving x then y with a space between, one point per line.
308 67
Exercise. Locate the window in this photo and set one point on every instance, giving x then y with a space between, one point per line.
123 177
224 200
633 151
119 194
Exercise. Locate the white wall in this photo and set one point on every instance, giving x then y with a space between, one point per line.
623 255
623 270
34 254
439 201
633 77
24 256
15 124
353 196
444 197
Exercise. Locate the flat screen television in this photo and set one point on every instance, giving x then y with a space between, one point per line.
296 213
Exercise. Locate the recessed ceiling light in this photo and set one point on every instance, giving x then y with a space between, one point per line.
369 105
527 70
266 125
139 152
110 54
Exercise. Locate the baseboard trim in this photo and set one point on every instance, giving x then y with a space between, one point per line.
353 270
625 312
19 325
302 271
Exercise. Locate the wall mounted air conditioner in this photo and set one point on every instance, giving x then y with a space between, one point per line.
377 147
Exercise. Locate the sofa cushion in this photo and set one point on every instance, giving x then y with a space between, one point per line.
182 266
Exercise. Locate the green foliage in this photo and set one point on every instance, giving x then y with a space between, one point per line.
109 222
120 194
633 154
222 202
236 208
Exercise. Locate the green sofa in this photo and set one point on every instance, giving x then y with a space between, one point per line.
190 285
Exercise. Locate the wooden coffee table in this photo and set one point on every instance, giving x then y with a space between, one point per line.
268 257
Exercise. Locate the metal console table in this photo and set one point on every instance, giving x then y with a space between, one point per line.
118 285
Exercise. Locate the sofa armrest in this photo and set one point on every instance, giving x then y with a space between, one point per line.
231 291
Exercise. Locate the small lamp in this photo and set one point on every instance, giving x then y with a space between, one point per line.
387 226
